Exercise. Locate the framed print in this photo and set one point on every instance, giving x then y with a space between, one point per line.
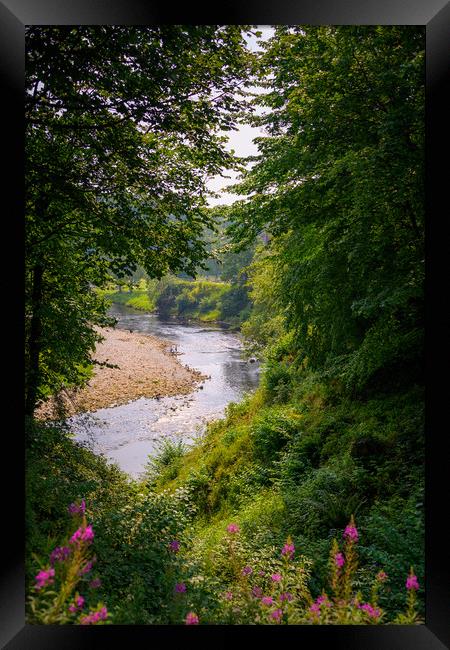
234 305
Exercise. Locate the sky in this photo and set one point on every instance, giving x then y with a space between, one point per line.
240 140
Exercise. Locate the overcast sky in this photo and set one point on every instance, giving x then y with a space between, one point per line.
240 140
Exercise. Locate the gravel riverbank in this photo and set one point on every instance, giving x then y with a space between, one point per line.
146 368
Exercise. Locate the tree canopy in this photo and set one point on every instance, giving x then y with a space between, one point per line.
339 187
122 131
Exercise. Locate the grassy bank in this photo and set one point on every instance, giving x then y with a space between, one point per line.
302 466
138 299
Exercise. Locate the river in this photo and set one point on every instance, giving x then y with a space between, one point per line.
129 433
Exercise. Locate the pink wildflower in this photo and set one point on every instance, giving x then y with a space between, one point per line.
75 509
76 536
351 533
339 560
286 596
229 595
261 573
96 582
371 611
277 614
233 528
315 609
288 549
180 588
87 567
174 546
95 617
191 618
247 570
411 582
78 604
267 600
59 554
87 535
257 592
44 578
276 577
82 535
381 576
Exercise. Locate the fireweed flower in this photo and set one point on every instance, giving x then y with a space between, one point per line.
247 570
315 609
257 592
44 578
87 567
276 577
191 618
286 596
78 604
180 588
95 617
233 528
267 600
288 549
59 554
87 535
229 595
381 576
411 582
339 560
75 509
261 573
351 533
82 535
373 612
277 614
174 546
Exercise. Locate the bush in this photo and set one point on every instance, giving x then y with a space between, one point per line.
166 463
270 433
277 381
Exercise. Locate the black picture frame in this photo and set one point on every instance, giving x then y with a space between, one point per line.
435 15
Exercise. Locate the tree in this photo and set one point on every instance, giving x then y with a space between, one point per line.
122 131
339 185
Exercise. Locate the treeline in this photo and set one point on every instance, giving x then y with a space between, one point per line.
198 300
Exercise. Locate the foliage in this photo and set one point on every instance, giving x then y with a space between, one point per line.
338 188
133 527
304 466
240 583
203 300
122 130
166 461
137 299
55 599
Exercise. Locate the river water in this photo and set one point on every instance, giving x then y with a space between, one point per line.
129 433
